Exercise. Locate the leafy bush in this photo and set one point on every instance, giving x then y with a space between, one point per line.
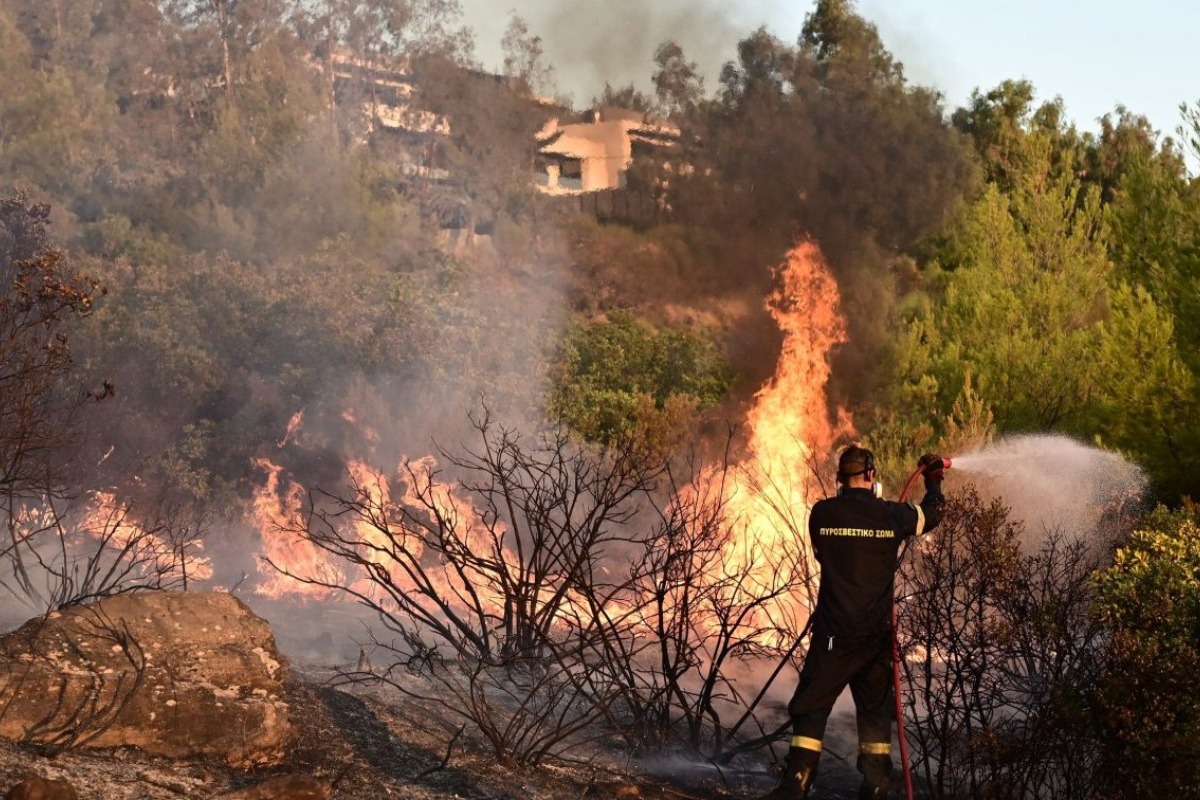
620 377
1150 597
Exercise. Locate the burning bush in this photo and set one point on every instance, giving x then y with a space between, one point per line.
63 552
550 594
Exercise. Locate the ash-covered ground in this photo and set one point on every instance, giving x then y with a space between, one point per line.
373 749
371 741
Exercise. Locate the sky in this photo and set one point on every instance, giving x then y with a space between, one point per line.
1097 55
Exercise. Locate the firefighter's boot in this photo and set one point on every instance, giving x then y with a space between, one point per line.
873 792
797 777
876 768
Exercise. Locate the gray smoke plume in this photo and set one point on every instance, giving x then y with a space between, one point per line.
590 43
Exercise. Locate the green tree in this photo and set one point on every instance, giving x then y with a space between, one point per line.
1156 236
1126 141
1013 138
52 124
825 139
1146 398
678 84
628 96
378 36
889 163
1154 217
288 337
524 60
1150 599
487 158
840 41
1022 304
318 199
253 136
1048 295
1189 128
57 30
229 22
620 377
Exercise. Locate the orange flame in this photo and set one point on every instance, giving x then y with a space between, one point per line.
109 521
292 427
277 514
460 515
791 419
790 431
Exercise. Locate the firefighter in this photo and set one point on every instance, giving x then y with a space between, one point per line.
856 538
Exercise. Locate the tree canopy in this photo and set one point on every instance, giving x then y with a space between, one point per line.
319 228
319 177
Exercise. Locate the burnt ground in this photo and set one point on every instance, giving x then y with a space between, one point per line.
372 747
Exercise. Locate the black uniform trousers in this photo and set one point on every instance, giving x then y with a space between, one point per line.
865 663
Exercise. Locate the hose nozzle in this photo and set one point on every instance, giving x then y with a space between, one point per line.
944 463
930 464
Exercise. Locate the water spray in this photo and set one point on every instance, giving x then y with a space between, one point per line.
1055 485
1048 481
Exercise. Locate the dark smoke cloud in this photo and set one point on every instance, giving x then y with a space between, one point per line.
589 42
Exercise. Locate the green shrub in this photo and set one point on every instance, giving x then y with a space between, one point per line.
621 377
1150 598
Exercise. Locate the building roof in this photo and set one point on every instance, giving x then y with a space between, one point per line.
608 136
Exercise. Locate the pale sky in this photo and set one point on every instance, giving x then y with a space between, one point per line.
1094 55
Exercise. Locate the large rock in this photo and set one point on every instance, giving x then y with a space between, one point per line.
179 674
42 789
288 787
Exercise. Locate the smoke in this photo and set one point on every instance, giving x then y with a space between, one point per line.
590 44
1054 483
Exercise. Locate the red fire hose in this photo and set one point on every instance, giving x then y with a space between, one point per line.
908 781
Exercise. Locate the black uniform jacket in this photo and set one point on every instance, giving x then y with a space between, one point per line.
856 537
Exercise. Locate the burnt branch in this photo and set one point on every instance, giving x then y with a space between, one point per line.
90 694
1000 652
537 588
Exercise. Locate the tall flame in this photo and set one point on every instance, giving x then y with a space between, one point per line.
790 421
790 430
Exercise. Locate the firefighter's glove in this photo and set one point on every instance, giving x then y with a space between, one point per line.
934 467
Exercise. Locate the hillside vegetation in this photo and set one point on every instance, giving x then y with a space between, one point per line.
219 262
267 248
